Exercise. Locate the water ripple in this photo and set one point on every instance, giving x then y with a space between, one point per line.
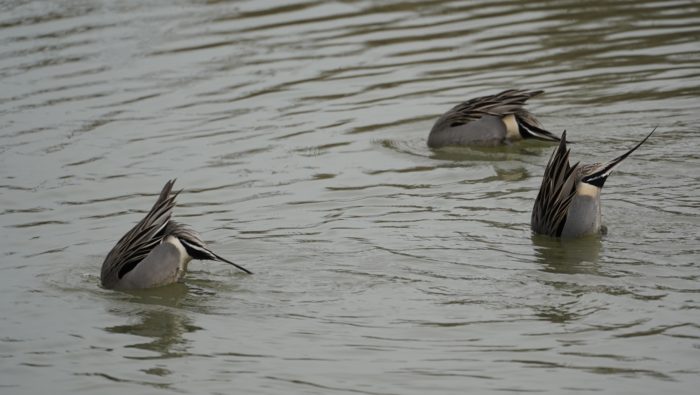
297 132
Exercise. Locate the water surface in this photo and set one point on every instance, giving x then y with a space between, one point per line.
297 131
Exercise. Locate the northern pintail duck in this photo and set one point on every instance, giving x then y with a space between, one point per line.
568 203
489 120
156 251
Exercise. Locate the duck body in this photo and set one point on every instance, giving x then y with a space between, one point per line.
568 202
156 251
489 120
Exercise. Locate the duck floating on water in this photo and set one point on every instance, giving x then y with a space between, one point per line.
489 120
156 251
568 203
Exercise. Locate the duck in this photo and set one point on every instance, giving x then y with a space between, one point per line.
568 202
156 251
492 120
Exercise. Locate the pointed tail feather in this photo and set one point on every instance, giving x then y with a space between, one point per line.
528 130
598 177
203 253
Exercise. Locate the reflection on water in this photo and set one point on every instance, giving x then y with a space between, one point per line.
567 256
298 132
155 314
164 327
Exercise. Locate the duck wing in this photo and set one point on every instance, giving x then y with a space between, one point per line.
556 193
135 245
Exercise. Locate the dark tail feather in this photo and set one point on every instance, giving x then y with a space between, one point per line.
239 267
598 178
531 131
198 252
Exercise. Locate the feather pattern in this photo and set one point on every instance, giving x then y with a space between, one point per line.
135 245
556 192
150 232
565 205
194 245
489 120
507 102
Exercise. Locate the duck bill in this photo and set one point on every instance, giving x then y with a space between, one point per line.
599 176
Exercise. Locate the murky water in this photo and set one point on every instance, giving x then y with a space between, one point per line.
297 131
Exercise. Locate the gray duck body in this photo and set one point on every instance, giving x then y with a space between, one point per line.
568 202
156 251
489 120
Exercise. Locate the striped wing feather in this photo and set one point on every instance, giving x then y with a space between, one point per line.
556 193
507 102
135 245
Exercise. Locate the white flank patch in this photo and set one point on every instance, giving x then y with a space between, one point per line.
584 189
512 128
185 258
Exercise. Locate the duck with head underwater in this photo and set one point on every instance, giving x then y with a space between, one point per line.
156 251
489 121
568 203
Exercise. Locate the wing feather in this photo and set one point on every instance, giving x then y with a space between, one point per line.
556 193
135 245
507 102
